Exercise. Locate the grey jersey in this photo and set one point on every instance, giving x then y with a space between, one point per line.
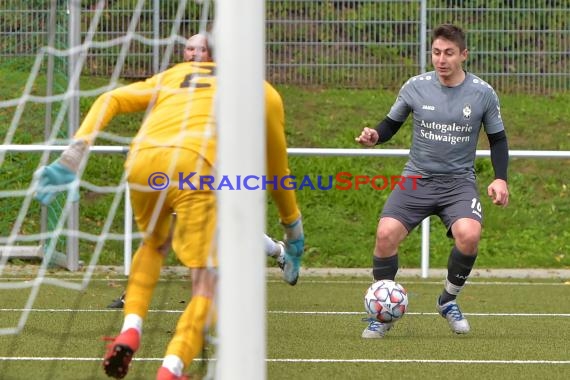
446 123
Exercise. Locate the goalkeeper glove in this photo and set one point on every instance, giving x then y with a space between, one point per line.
61 172
294 250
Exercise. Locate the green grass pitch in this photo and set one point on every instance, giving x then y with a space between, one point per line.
520 330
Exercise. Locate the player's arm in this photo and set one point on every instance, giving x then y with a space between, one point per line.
498 190
277 158
382 133
499 148
386 129
495 129
131 98
283 196
63 171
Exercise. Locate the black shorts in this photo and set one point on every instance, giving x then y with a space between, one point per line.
449 198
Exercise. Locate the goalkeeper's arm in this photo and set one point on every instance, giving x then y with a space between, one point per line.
284 196
64 170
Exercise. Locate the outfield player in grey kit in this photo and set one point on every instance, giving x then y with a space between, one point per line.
448 106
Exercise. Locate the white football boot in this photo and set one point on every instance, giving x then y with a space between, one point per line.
375 328
455 318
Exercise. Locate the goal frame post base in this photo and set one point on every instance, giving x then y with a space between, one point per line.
30 252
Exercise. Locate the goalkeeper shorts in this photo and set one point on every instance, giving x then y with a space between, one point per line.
194 230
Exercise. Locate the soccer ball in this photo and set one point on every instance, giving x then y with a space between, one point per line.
386 300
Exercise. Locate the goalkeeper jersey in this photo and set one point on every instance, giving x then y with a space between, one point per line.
180 102
180 105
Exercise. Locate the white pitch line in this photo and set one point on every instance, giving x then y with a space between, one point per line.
432 282
293 312
426 313
439 283
437 361
63 359
8 280
84 310
285 360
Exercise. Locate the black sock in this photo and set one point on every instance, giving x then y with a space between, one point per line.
384 268
458 269
446 297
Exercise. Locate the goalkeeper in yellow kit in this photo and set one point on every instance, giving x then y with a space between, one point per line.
177 136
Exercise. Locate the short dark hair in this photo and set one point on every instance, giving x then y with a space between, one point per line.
452 33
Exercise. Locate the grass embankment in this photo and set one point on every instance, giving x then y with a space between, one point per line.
340 225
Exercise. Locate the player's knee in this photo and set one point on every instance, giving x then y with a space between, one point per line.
467 236
389 235
386 243
164 248
204 282
161 244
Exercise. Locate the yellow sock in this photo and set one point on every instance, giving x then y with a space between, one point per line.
188 339
145 272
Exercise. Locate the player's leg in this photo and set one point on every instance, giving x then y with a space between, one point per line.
188 340
145 272
119 303
389 234
194 245
153 218
142 281
273 248
463 217
403 211
276 249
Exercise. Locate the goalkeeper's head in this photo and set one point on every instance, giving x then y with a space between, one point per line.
197 49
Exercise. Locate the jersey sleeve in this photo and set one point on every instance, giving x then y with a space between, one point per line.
492 121
402 106
277 159
131 98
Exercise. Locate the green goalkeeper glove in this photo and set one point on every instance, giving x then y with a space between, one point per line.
62 172
294 250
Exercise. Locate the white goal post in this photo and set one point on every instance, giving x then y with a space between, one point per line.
239 53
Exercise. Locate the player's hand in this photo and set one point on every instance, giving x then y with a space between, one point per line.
498 191
51 178
368 137
294 250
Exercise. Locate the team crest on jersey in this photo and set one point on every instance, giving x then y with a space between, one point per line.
466 111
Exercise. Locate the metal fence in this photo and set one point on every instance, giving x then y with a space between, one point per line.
515 45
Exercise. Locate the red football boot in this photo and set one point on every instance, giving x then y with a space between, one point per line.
120 353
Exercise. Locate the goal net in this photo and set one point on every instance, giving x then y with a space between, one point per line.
49 97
